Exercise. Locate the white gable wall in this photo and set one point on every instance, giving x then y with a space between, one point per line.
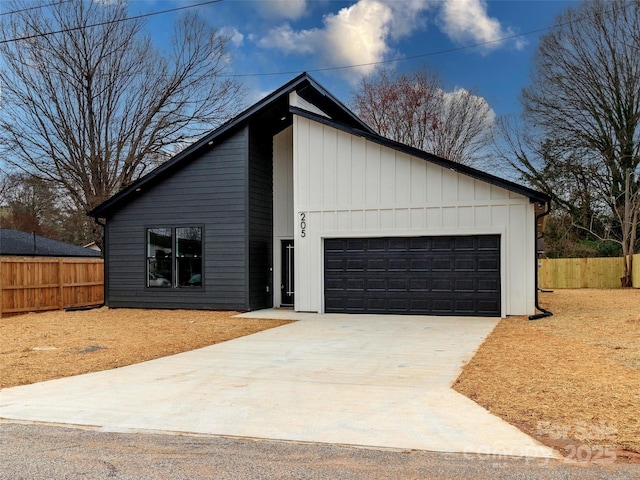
346 186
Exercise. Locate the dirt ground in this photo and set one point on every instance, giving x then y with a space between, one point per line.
571 380
44 346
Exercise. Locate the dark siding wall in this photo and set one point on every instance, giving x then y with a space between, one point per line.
260 219
210 191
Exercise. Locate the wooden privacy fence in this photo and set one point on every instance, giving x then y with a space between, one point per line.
35 284
585 272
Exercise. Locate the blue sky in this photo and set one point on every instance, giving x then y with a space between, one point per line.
291 36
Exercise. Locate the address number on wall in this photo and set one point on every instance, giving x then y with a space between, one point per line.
303 224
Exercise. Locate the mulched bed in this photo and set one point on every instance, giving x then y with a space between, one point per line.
571 380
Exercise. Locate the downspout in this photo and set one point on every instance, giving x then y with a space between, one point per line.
105 292
544 313
103 225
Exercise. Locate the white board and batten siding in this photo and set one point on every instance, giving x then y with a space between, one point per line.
347 186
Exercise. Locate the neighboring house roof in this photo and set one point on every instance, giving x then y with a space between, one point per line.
275 108
92 246
15 242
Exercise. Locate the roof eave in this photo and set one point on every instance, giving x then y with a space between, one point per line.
109 206
533 195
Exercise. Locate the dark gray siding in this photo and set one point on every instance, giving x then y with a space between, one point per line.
210 191
260 219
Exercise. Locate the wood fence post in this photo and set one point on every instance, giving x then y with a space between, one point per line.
1 293
60 285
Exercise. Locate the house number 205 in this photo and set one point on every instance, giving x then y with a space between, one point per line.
303 224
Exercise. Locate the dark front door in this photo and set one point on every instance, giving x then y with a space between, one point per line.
287 287
446 275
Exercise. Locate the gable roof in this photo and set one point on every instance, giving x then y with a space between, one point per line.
531 194
270 112
15 242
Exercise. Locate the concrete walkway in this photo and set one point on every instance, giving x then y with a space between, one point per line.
380 381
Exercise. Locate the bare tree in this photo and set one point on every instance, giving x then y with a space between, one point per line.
89 103
464 127
29 204
583 103
415 110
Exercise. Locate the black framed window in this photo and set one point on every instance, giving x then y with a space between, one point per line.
189 256
174 257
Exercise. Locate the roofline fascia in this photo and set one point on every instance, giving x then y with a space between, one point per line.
104 208
533 195
328 94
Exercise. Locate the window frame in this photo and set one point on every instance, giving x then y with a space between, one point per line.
174 283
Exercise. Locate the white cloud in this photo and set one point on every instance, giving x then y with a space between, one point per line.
237 38
288 40
468 21
287 9
355 35
408 16
358 34
363 33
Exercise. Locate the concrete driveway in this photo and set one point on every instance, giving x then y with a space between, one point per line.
379 381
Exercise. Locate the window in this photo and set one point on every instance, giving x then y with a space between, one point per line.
174 257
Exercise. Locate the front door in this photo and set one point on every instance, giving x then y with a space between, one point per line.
286 287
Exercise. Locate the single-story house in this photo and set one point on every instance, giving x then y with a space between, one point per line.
296 202
24 244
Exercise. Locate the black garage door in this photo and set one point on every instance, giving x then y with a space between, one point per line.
444 275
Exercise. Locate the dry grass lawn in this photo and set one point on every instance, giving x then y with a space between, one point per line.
44 346
572 380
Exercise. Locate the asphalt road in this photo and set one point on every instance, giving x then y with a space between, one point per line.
51 452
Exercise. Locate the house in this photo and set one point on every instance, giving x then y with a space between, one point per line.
23 244
296 202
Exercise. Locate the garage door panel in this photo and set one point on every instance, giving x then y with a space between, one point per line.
398 284
487 307
398 244
398 304
420 264
375 304
465 306
441 285
465 265
441 244
419 244
488 264
489 242
376 264
465 285
447 275
419 284
442 264
488 285
376 244
398 264
356 264
376 284
464 243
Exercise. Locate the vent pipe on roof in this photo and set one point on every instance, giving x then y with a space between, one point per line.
35 250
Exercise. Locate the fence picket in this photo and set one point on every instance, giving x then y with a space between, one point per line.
585 272
34 284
